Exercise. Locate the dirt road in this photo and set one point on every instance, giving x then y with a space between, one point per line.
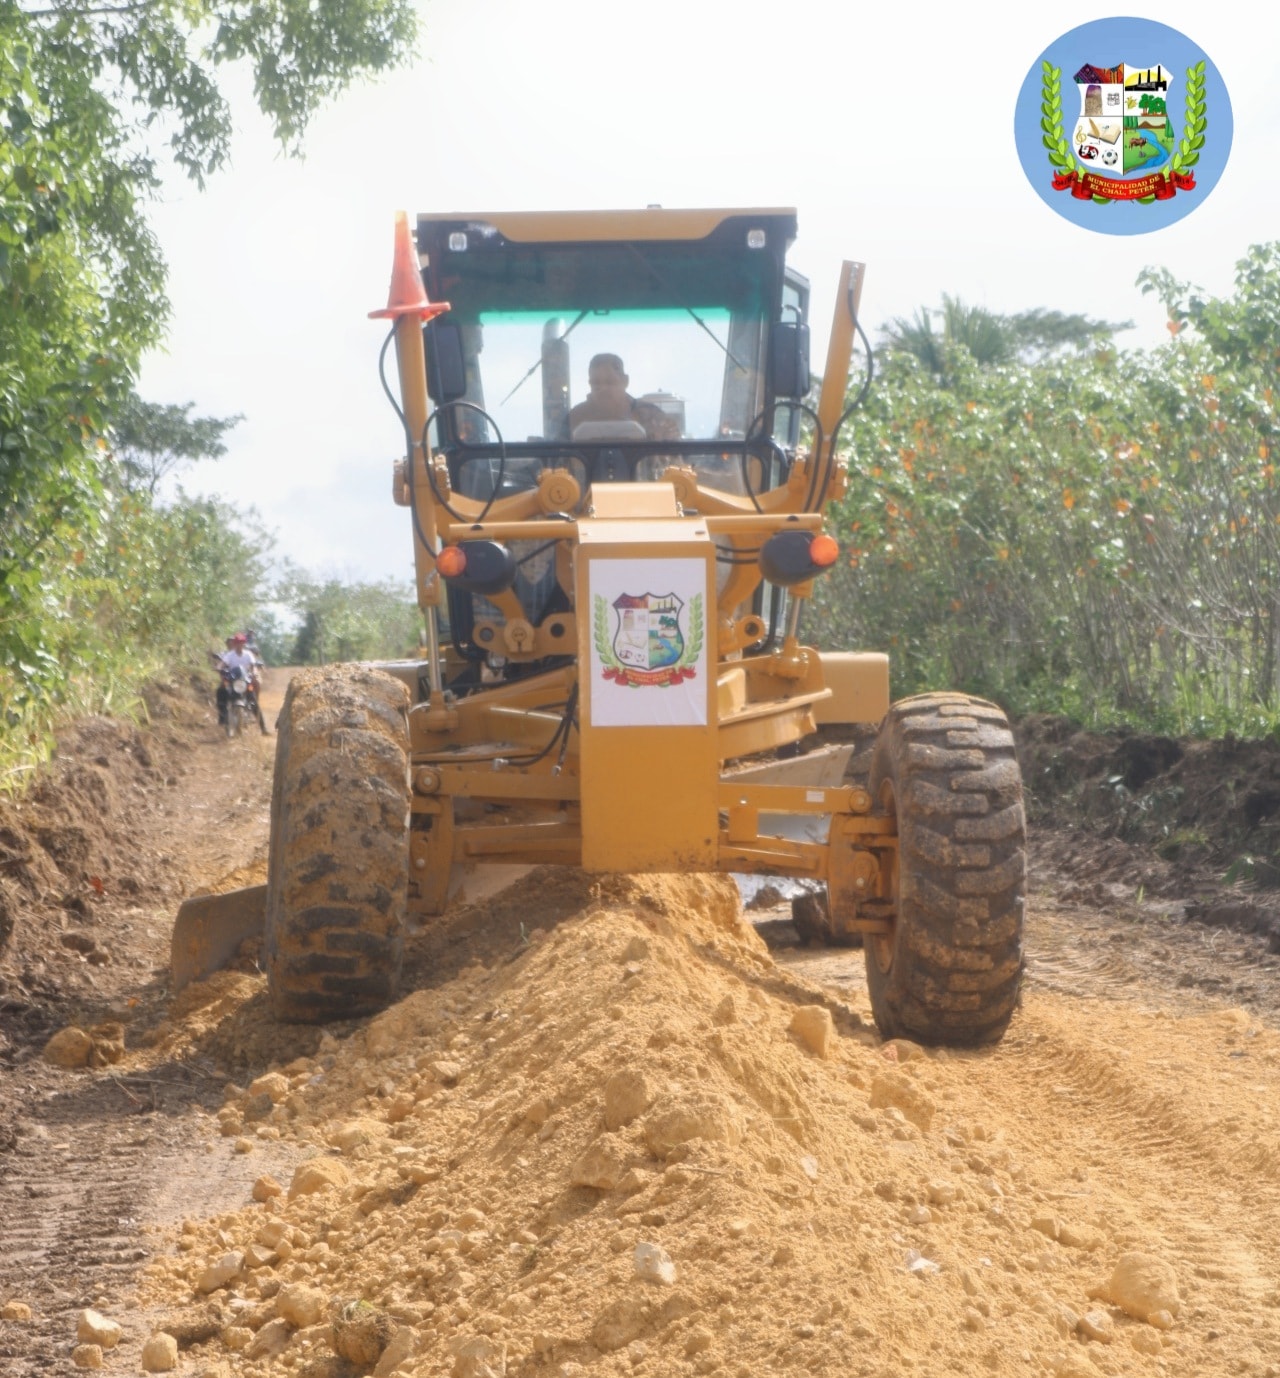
615 1128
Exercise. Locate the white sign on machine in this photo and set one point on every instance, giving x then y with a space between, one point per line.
648 653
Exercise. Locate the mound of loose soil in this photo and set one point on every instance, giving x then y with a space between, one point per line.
627 1145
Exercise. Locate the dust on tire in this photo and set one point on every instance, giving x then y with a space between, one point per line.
951 969
338 864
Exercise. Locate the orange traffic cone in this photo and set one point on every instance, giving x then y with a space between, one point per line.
407 296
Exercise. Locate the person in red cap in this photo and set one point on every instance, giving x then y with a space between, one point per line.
236 659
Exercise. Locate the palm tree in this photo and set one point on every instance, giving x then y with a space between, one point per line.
989 338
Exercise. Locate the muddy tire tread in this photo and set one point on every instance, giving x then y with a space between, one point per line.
957 961
338 863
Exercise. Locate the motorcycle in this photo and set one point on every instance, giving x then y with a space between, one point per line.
241 695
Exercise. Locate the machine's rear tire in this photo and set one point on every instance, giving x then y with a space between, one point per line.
337 872
950 970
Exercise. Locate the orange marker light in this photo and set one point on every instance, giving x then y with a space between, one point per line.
824 551
451 561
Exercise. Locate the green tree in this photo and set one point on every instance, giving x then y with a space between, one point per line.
94 97
153 441
344 621
988 338
1096 531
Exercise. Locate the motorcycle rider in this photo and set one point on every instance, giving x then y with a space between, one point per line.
236 659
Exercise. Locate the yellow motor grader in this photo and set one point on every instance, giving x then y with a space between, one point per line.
616 487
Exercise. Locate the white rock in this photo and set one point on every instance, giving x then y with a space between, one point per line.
654 1264
814 1027
219 1274
93 1328
1141 1285
160 1353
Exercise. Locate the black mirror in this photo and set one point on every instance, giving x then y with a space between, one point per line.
446 365
789 359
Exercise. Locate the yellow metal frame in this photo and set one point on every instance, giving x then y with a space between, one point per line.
654 223
633 797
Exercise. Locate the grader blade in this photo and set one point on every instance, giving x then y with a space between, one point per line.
209 930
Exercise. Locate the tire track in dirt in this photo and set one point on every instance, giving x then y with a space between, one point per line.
1121 1111
1141 1107
98 1157
71 1196
103 1163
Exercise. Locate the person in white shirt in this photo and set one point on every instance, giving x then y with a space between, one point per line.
236 659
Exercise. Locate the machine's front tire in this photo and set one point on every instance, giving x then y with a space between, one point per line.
337 872
950 969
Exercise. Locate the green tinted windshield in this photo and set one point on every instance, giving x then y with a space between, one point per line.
687 323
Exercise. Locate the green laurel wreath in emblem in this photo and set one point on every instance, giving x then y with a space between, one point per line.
1051 119
1188 153
694 643
604 642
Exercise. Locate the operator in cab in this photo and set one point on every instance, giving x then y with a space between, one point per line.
609 400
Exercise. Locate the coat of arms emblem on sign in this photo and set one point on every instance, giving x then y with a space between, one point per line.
648 645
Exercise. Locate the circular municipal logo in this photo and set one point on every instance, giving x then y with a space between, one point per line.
1123 126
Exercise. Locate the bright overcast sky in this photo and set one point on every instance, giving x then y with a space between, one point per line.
888 127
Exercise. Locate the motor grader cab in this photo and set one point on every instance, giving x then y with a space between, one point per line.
616 487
